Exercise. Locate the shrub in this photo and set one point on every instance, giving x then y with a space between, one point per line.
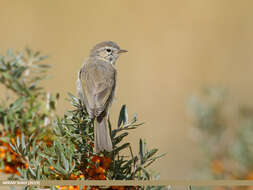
36 144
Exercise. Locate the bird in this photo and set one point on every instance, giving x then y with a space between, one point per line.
96 87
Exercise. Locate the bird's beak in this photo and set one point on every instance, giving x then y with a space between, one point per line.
122 51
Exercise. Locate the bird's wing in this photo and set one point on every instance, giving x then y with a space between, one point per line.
98 83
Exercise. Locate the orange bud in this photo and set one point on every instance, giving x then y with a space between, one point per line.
5 144
84 188
18 132
13 157
73 176
26 165
101 177
51 167
95 159
107 160
17 173
81 176
12 140
100 170
2 149
63 187
2 155
91 172
7 169
71 188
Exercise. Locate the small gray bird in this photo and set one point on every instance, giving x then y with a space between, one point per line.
96 86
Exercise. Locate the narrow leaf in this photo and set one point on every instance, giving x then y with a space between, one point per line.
123 116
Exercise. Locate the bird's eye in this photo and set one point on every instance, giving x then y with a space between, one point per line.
109 50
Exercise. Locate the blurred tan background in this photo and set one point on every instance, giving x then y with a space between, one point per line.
175 48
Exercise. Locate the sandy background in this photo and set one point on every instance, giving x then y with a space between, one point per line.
175 48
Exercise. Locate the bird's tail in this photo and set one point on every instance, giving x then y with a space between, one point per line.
102 136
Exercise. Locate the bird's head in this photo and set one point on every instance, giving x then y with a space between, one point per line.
108 51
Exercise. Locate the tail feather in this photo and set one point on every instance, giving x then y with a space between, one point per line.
102 136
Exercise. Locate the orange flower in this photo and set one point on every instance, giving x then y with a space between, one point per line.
51 167
100 170
73 176
26 165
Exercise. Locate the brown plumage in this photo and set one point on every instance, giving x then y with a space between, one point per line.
96 86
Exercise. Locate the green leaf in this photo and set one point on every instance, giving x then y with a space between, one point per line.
150 153
36 53
57 96
7 76
9 54
31 171
117 150
18 104
109 126
141 151
6 126
147 175
23 144
13 148
5 139
17 141
119 138
8 158
43 66
72 167
28 51
41 58
38 173
65 162
123 116
19 71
